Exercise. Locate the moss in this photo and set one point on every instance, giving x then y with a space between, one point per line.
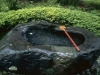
48 71
52 14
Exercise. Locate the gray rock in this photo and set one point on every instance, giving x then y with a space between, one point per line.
40 48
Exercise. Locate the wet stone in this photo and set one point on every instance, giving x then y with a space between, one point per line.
41 48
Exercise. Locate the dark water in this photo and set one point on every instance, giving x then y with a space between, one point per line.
47 37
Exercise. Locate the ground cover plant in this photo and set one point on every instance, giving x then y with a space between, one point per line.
92 4
70 14
53 14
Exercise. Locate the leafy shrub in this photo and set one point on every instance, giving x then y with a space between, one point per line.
3 6
68 2
12 4
35 1
91 4
52 14
95 12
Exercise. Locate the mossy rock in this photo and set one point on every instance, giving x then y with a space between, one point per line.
41 48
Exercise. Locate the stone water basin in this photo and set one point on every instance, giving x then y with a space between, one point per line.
40 48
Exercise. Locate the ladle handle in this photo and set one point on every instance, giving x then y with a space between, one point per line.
78 49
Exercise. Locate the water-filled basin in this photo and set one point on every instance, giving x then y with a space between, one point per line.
47 36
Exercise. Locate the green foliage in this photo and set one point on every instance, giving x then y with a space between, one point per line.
47 3
3 6
92 4
95 12
12 4
48 71
68 2
38 1
52 14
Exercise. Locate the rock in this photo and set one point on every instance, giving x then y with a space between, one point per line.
40 48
